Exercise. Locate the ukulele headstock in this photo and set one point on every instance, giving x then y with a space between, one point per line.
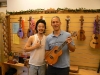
81 18
68 18
30 18
20 18
97 18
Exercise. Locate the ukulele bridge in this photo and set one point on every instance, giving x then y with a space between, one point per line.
95 43
55 51
51 56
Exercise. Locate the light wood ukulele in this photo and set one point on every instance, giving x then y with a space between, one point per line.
81 32
95 43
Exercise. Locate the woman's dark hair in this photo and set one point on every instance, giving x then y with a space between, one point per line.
40 21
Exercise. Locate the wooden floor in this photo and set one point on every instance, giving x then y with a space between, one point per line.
86 72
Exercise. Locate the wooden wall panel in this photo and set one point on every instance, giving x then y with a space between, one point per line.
84 54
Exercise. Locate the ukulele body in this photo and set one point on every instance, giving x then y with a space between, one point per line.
81 35
51 57
31 29
95 43
20 33
29 33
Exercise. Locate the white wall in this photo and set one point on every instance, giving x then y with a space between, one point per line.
17 5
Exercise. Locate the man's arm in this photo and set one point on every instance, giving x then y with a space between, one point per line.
71 47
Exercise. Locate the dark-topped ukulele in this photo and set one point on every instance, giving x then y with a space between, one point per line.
29 32
95 43
31 29
51 57
81 32
20 32
74 33
67 22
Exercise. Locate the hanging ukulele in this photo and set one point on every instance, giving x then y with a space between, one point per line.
81 32
95 43
20 32
67 26
31 29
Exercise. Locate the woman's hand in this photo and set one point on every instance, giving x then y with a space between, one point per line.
38 44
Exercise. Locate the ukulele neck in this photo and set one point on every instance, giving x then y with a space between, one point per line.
81 27
82 20
60 47
67 20
20 22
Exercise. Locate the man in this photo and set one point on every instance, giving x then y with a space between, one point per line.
56 38
37 49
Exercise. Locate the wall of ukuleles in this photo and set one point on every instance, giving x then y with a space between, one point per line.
85 30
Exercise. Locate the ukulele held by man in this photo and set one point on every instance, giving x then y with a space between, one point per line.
51 57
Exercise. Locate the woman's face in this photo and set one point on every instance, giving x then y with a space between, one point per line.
41 28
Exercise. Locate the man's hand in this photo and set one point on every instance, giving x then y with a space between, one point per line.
69 40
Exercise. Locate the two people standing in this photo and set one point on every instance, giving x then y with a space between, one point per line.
43 43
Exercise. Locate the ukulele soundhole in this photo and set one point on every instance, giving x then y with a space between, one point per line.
81 32
51 56
29 31
20 31
55 51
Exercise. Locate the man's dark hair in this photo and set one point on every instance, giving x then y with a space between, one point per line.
40 21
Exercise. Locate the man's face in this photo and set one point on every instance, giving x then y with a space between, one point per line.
55 23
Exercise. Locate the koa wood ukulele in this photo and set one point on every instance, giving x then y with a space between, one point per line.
81 33
20 32
95 43
51 57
